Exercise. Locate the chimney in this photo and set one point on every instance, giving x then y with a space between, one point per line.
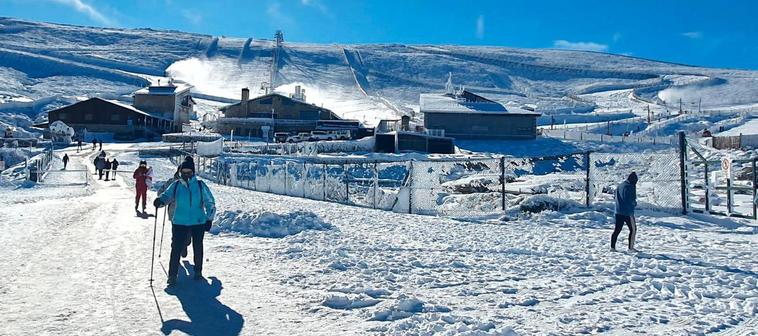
243 101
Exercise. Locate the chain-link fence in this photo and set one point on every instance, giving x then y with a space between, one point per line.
659 186
472 187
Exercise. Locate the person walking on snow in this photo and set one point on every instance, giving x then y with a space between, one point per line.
108 166
171 206
195 208
101 144
94 143
78 144
140 175
65 161
626 201
99 165
114 165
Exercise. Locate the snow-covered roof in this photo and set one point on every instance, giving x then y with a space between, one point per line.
174 88
444 103
130 107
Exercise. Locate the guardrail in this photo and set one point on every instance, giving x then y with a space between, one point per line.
587 136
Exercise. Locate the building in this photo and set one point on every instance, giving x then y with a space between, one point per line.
464 115
100 115
274 112
172 101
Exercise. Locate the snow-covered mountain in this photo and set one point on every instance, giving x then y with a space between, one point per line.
45 65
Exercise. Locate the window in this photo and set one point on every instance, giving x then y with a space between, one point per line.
89 117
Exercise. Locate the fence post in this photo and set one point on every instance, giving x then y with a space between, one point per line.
323 174
683 171
502 182
755 216
304 176
286 167
347 184
376 183
587 180
410 189
707 188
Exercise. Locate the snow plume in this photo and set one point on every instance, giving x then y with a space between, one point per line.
218 76
82 7
586 46
480 27
672 95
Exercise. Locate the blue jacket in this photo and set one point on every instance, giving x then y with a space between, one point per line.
626 198
190 209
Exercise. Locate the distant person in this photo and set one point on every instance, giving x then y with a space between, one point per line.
626 201
108 167
193 216
65 161
114 166
78 144
101 144
94 144
140 177
99 166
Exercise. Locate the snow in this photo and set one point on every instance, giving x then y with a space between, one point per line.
77 262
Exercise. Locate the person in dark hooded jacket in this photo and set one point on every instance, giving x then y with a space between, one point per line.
626 202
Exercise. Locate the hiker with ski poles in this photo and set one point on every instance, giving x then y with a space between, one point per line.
626 202
193 215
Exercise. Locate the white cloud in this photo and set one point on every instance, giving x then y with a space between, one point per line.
693 35
318 5
480 27
279 18
87 9
192 17
587 46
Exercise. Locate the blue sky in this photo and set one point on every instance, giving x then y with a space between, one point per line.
707 33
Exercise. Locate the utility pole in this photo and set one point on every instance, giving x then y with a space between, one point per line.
648 114
680 105
699 102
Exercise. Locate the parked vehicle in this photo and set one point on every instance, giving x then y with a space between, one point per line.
341 134
321 135
281 136
295 138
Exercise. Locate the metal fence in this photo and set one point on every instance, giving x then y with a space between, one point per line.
659 185
588 136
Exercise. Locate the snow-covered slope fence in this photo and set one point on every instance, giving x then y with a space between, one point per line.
587 136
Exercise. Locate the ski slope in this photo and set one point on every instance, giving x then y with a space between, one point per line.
45 65
76 261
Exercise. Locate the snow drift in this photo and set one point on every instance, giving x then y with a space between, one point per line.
268 224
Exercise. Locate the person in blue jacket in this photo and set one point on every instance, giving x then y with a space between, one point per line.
626 201
194 208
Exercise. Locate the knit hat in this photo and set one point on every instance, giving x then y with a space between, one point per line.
632 178
143 162
187 164
189 158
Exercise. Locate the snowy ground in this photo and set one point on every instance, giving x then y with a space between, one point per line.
76 261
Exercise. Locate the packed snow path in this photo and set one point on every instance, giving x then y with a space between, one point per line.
76 261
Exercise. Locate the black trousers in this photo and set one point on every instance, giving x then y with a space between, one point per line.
620 221
107 172
179 236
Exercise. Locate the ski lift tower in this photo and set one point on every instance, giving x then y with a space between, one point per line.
279 38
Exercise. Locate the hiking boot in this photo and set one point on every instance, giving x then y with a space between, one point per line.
171 281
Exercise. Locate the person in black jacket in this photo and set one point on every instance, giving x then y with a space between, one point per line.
108 166
65 161
114 165
94 144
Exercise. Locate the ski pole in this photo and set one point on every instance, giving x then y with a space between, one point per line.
152 257
163 229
